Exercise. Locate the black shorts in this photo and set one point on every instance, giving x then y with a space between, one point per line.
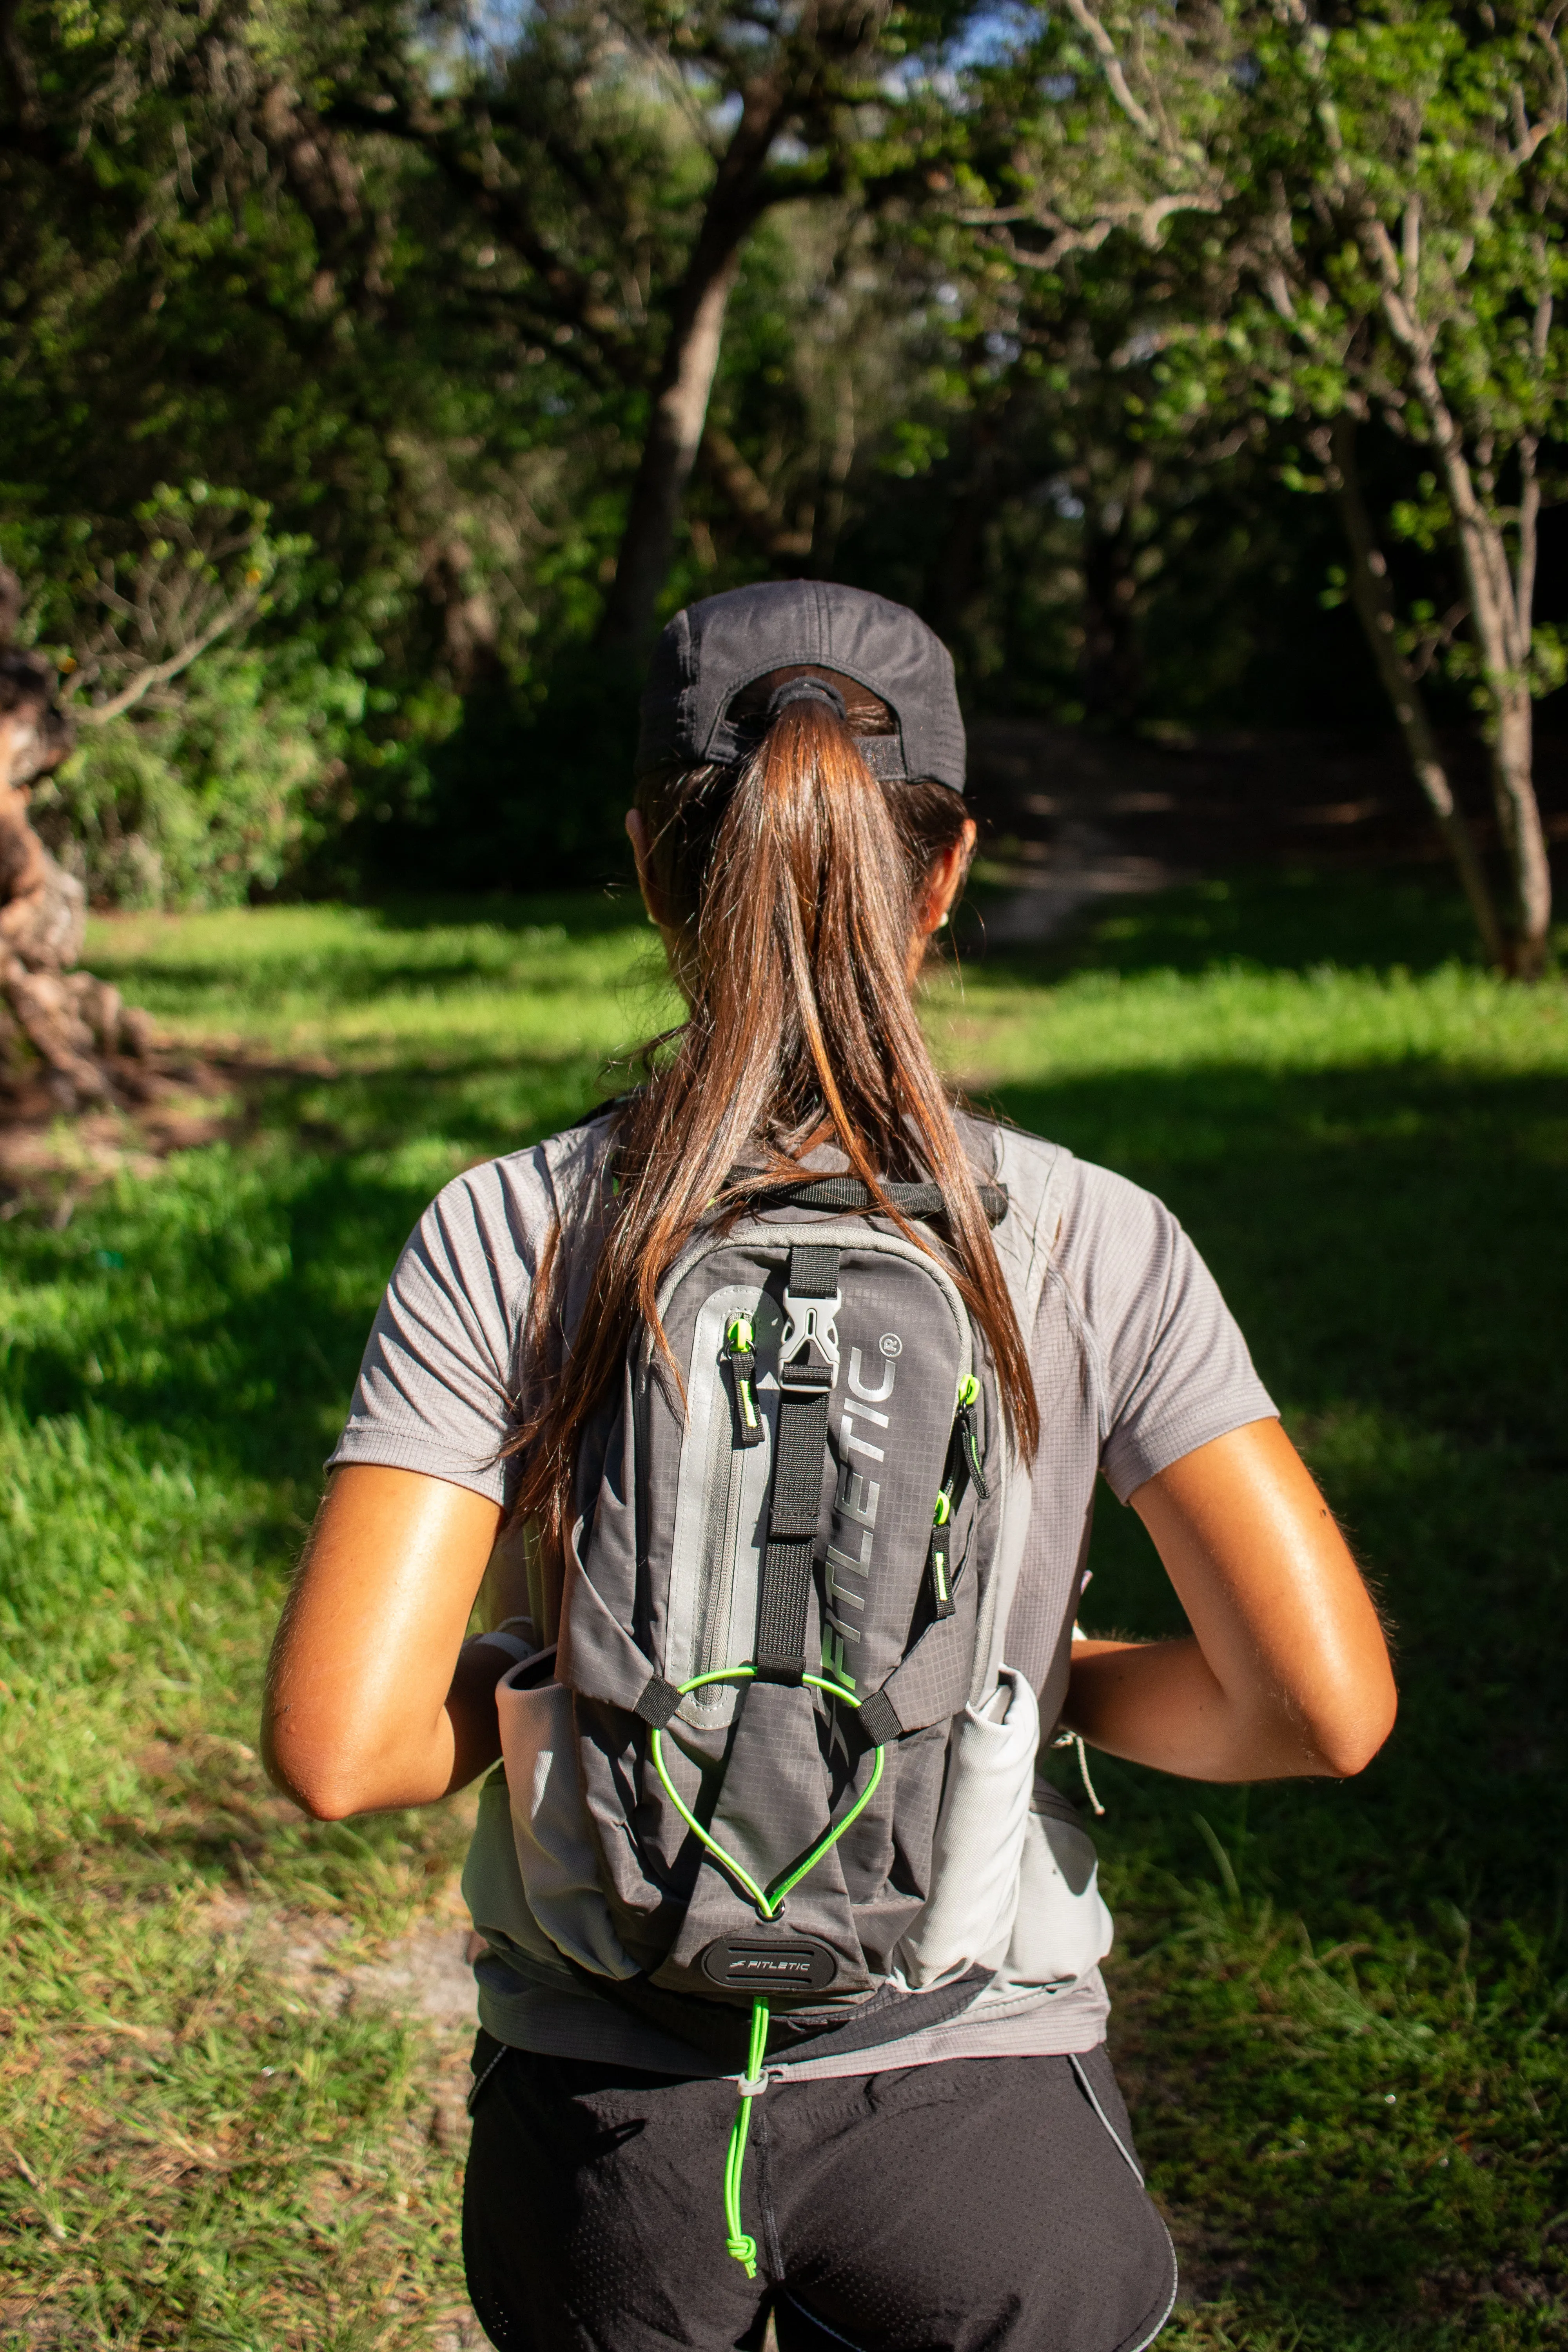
980 2203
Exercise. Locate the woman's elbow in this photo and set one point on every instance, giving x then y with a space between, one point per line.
319 1781
1350 1736
323 1799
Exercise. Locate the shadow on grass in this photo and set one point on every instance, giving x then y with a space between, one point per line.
477 1106
1390 1243
581 914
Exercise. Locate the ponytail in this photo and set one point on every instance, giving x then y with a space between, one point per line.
791 888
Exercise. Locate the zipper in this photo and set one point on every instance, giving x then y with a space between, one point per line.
722 1548
741 1355
969 1425
769 1239
964 1467
937 1556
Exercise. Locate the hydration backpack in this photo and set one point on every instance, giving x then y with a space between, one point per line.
773 1785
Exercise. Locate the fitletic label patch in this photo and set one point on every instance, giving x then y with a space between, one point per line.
803 1965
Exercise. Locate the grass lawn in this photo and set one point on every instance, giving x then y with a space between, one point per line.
1340 2008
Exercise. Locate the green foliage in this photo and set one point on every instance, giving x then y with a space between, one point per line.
201 805
1364 214
1044 364
206 757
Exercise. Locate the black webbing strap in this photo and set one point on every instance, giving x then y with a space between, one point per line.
877 1718
807 1373
659 1703
841 1193
812 1272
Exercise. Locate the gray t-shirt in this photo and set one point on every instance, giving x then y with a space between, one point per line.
1136 1359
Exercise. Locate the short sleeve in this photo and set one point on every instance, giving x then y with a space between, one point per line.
1174 1368
437 1390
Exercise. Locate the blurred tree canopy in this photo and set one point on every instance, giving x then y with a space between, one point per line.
373 378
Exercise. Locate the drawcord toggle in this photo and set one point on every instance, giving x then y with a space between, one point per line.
770 1901
1071 1739
752 2084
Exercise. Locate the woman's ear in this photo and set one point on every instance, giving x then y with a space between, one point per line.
945 881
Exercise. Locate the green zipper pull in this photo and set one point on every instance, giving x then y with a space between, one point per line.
937 1555
969 1423
741 1354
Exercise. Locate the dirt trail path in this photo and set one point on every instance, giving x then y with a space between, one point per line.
1073 817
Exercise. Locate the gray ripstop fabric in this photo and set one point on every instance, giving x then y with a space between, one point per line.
670 1575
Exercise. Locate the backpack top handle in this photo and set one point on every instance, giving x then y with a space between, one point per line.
848 1193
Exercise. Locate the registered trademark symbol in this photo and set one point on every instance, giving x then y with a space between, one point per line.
891 1344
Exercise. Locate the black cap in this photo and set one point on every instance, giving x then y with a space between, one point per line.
710 651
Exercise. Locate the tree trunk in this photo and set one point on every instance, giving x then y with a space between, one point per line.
686 375
1500 614
72 1021
1374 601
1504 647
1112 664
668 454
955 578
1511 737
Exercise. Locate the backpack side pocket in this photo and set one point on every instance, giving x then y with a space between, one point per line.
1062 1928
980 1834
550 1823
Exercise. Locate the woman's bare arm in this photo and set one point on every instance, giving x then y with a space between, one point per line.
1288 1672
373 1700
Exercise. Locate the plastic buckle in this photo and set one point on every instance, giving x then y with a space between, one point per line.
808 1352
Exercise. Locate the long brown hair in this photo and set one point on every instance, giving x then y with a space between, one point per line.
791 887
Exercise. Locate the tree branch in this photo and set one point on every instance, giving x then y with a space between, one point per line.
754 504
19 70
1105 48
574 301
99 714
1481 541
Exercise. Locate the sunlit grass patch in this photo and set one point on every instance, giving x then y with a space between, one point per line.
580 975
996 1025
193 2156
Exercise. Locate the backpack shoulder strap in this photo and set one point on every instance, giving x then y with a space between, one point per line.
1031 1170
